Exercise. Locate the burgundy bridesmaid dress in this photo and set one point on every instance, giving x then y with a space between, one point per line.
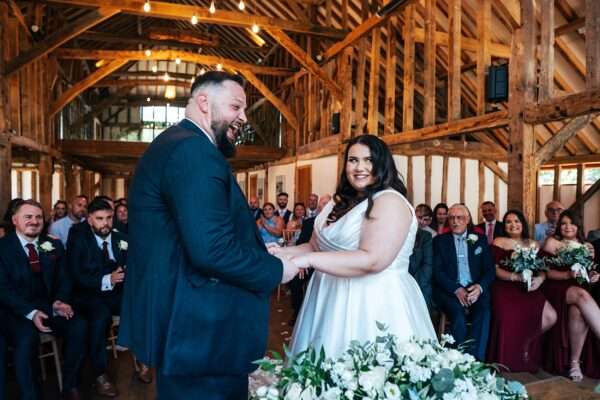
516 324
557 359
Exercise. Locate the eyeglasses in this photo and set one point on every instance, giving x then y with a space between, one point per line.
457 217
555 210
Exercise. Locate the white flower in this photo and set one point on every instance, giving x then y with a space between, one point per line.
391 391
262 391
349 394
123 245
273 394
373 379
308 394
332 394
293 392
448 338
473 238
574 245
47 246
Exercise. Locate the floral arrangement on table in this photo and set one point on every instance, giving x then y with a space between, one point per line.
385 370
579 257
524 260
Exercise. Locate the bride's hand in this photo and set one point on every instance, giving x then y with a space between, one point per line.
273 248
302 262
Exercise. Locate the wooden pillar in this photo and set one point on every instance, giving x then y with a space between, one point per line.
579 192
373 114
5 171
126 182
70 184
86 183
408 102
430 61
106 185
546 91
592 43
389 126
556 189
454 59
427 179
45 170
409 180
522 168
484 23
345 76
444 198
34 184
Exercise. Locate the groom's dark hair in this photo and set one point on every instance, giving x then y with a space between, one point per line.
215 78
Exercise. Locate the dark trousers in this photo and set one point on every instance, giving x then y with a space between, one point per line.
2 364
24 337
296 286
479 317
98 312
205 388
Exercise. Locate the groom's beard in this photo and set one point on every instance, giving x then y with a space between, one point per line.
226 147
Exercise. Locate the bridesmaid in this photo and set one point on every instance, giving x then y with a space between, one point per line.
519 316
577 311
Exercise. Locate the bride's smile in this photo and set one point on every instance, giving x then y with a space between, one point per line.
359 167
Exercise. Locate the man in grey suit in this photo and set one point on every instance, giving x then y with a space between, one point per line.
199 278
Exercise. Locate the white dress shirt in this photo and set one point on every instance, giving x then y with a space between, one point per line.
106 283
199 127
24 242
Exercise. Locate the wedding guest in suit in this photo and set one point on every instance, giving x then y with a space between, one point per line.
425 217
421 264
199 278
270 226
440 218
296 284
491 228
297 218
463 271
122 217
520 314
313 206
76 214
547 229
34 290
571 348
282 211
254 207
2 359
97 256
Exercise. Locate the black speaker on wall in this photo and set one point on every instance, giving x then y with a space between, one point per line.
497 83
335 123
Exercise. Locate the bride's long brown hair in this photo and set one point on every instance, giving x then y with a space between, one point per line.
384 171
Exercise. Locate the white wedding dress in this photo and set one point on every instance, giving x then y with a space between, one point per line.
338 310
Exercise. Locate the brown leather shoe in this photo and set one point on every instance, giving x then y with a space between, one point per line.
104 387
72 394
144 374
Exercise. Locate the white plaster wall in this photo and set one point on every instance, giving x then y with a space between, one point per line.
56 187
437 173
324 174
472 187
288 171
453 181
418 179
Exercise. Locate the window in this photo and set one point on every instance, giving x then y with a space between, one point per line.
157 118
546 177
591 175
568 176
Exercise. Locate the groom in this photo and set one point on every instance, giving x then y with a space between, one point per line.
196 298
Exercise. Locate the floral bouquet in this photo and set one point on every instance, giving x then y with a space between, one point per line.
579 257
385 370
525 260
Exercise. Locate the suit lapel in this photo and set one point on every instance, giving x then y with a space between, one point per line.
46 265
116 250
453 259
22 262
471 252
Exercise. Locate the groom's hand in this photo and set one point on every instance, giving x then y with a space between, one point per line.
289 269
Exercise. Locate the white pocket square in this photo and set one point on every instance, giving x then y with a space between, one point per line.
478 250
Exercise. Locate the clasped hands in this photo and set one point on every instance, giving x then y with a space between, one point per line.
292 264
59 308
469 295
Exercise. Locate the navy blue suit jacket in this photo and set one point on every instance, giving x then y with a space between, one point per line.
445 265
199 278
16 290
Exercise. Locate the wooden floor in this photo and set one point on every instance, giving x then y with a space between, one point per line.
541 385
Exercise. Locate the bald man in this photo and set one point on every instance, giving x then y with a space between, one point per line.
546 229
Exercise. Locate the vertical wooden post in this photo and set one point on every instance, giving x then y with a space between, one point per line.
360 75
546 91
522 167
454 59
373 114
408 101
481 187
463 179
34 185
444 198
409 180
592 43
579 192
5 170
556 188
46 169
266 187
345 76
430 60
389 126
484 23
427 179
70 184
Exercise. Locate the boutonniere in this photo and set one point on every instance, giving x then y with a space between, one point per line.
123 245
115 230
472 238
46 247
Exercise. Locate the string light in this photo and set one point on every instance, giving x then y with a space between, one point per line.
148 99
212 7
219 67
147 7
154 68
202 71
148 53
178 61
255 28
166 77
241 5
194 19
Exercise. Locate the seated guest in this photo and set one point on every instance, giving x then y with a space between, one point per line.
59 210
254 207
296 284
313 206
491 228
463 271
121 214
546 229
76 214
577 311
440 219
34 289
420 267
121 200
96 258
297 218
593 235
520 314
282 211
425 217
270 225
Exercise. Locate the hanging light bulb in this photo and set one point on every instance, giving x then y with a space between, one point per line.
148 99
154 68
194 19
212 7
147 7
178 61
255 28
219 67
241 5
192 79
148 52
166 77
202 71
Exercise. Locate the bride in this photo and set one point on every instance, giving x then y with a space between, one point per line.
360 251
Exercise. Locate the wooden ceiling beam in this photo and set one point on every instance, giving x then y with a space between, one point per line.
564 107
59 38
85 83
306 60
184 12
16 10
159 33
142 82
139 55
560 138
276 101
569 27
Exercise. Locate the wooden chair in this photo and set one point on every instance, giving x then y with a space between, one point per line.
290 236
46 339
112 334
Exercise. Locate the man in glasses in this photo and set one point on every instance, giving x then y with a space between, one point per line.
546 229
